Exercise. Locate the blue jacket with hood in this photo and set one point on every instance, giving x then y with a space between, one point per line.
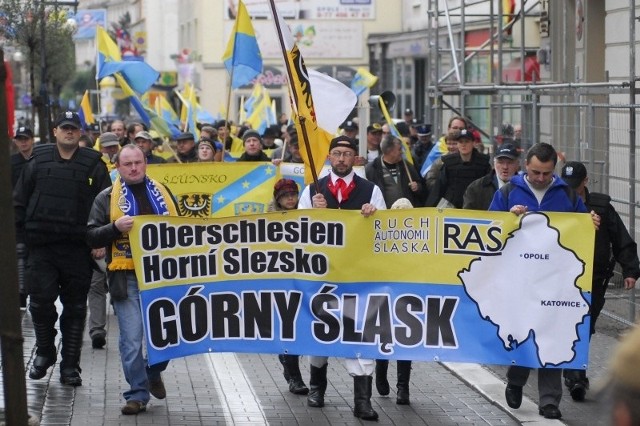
556 199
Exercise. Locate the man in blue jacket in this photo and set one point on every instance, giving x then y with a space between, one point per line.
539 189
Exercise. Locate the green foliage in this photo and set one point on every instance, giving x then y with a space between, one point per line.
22 25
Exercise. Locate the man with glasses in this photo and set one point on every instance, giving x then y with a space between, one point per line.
343 189
52 200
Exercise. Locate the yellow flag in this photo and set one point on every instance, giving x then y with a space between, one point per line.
306 122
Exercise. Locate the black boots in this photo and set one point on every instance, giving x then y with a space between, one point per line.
292 374
72 328
404 376
382 383
44 318
577 382
362 398
318 386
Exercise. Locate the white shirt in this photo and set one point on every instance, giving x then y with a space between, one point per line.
377 199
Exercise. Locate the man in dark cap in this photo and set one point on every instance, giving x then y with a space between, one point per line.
506 163
144 140
350 129
408 116
109 146
343 189
94 132
230 142
23 141
269 137
374 138
253 147
423 145
459 169
613 245
186 151
52 200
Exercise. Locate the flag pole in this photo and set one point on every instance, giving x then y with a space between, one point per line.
226 119
305 136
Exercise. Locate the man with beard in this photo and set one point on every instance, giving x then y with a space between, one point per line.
343 189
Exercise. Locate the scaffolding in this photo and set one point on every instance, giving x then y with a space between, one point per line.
466 77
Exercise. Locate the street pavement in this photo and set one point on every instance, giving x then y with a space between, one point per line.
248 389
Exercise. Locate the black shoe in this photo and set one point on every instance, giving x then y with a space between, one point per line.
513 395
317 386
40 365
70 376
98 342
297 386
157 389
382 383
362 398
578 392
550 411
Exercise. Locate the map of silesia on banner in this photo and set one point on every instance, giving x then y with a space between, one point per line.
415 284
218 189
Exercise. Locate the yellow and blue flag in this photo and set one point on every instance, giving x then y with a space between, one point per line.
106 50
439 149
85 113
362 80
139 75
242 57
261 115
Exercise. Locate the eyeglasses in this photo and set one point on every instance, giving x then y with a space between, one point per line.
340 154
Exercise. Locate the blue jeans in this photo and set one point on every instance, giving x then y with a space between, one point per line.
134 364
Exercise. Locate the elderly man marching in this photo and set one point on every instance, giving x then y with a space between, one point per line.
343 189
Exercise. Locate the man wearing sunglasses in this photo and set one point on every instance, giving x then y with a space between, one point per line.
52 200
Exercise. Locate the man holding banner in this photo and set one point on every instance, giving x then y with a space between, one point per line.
539 189
343 189
111 218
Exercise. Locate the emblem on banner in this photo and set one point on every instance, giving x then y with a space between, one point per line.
194 204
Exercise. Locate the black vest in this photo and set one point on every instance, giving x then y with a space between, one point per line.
360 195
62 197
460 174
602 256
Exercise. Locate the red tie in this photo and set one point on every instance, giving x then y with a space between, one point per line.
341 185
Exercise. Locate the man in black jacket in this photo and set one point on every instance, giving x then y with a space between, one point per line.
480 192
458 171
52 200
613 245
109 225
394 176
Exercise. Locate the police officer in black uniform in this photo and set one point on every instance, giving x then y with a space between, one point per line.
613 245
52 200
23 140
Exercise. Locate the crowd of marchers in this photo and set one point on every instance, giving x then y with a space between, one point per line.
72 225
